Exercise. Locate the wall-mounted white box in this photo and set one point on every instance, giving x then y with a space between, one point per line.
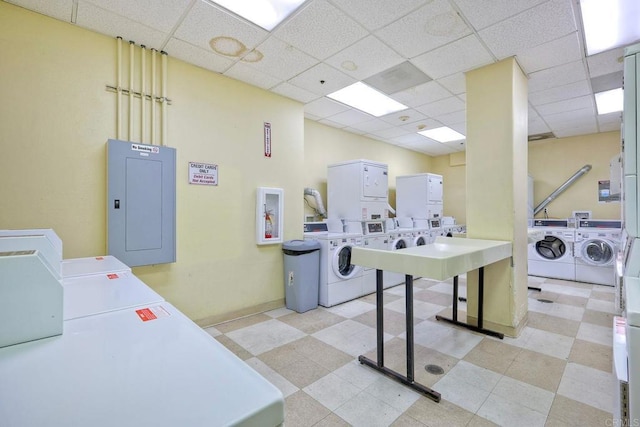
269 215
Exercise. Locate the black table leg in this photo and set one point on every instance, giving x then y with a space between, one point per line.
454 319
379 365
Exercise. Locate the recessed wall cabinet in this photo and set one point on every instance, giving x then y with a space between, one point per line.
269 215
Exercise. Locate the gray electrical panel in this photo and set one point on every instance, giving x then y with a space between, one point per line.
141 203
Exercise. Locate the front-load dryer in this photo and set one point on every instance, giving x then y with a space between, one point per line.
397 240
552 255
596 247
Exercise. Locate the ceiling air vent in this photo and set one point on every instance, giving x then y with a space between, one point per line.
402 76
541 136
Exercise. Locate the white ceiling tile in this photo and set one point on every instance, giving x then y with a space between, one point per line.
368 56
374 14
464 54
610 118
607 62
388 133
559 93
575 131
482 13
557 76
430 147
609 126
331 123
536 126
400 118
321 30
281 60
443 106
409 138
433 25
294 92
422 94
105 22
59 9
456 83
421 125
194 55
571 118
452 118
324 107
372 125
354 130
322 79
551 54
460 127
543 23
161 15
350 117
206 21
243 72
311 117
570 104
457 145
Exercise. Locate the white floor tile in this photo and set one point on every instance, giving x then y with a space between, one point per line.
447 288
558 310
596 334
449 340
588 385
467 385
358 374
351 309
549 343
367 411
523 394
278 312
393 393
332 391
566 290
351 337
265 336
508 413
272 376
601 305
421 309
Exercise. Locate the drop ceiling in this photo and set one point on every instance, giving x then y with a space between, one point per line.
328 44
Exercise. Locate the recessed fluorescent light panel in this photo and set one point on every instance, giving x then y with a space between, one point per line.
265 13
609 101
609 23
366 99
443 134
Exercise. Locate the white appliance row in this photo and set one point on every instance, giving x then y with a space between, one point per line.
124 356
584 254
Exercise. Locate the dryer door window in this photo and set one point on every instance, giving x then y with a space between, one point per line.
551 248
597 252
342 266
400 244
421 241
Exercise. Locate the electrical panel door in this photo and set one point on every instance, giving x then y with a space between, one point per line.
141 203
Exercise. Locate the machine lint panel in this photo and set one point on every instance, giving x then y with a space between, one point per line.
141 203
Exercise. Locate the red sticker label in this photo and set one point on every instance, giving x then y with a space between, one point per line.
145 314
112 276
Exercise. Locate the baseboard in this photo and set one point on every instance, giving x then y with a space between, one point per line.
232 315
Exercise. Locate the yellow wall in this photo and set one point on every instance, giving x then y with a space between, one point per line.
325 145
56 117
551 163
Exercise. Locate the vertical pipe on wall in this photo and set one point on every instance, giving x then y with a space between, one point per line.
118 86
131 47
153 96
163 140
143 96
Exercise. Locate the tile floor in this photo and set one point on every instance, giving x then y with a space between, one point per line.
556 373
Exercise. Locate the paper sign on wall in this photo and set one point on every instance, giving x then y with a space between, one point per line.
267 139
203 173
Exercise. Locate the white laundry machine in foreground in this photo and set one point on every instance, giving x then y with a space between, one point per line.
374 238
552 256
398 239
596 247
340 280
148 365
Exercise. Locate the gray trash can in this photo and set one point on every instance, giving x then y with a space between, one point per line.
301 274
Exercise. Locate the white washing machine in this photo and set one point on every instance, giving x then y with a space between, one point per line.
340 280
374 238
435 229
421 233
397 240
552 256
595 251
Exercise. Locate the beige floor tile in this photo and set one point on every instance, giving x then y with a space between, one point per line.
235 348
243 322
492 354
586 353
323 354
606 296
365 410
311 321
386 298
574 300
296 368
568 412
598 318
406 421
570 284
442 414
433 297
394 323
302 410
553 324
424 283
544 295
537 369
478 421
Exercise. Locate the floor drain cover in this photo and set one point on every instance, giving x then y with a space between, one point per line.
548 301
434 369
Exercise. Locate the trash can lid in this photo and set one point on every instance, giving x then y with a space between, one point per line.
300 245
